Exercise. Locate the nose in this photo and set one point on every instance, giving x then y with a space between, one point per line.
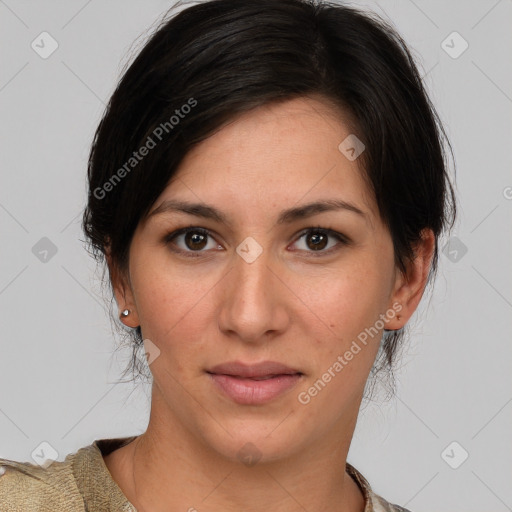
253 299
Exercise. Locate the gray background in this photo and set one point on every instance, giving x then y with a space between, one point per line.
58 369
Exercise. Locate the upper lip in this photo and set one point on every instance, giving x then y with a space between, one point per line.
263 369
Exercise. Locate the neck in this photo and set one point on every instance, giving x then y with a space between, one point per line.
158 472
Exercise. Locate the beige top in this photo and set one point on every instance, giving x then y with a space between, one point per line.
83 483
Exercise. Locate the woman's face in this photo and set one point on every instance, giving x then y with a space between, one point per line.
261 287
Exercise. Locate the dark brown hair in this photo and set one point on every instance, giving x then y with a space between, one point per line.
219 58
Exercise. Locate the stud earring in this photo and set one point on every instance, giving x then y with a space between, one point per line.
125 313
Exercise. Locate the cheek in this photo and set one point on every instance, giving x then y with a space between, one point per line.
346 310
345 344
349 299
165 302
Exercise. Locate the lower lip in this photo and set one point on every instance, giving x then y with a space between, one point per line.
254 392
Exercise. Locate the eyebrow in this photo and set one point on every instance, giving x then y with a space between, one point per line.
285 217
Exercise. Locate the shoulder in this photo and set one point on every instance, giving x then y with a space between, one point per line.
27 487
79 483
373 502
381 505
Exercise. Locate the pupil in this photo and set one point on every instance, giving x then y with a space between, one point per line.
195 239
317 240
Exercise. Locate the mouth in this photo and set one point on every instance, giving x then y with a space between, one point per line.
258 371
254 384
265 377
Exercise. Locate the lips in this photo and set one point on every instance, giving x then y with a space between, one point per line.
259 371
254 384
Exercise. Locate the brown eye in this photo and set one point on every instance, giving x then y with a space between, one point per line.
317 239
195 240
190 240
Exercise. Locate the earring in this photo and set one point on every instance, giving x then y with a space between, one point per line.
125 313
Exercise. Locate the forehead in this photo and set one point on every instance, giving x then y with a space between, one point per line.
276 155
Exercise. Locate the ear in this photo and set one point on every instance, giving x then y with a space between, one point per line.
122 292
409 287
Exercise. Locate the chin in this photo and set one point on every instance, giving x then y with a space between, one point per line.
251 442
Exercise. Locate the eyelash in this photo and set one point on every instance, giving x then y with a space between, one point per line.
342 239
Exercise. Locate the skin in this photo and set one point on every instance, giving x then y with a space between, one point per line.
287 306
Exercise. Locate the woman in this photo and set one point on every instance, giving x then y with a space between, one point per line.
267 188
